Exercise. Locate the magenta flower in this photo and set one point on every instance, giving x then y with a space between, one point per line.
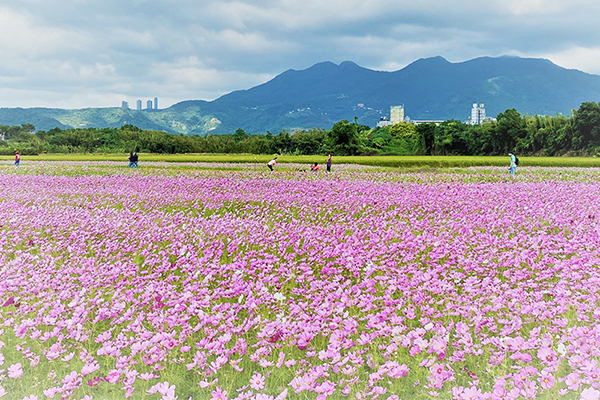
8 302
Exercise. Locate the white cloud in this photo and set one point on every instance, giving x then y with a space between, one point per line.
585 59
192 76
20 37
96 53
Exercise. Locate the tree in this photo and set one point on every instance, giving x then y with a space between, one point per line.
282 143
587 126
239 135
343 138
308 142
510 129
427 132
451 138
28 128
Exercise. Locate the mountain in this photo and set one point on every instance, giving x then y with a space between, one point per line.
430 88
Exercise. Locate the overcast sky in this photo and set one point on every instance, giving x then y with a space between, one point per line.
97 53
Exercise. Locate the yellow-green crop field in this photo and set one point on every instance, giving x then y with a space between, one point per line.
381 161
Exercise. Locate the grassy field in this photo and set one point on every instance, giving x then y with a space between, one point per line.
382 161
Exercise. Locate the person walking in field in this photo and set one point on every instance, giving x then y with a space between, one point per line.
17 158
134 159
329 164
130 158
514 162
271 163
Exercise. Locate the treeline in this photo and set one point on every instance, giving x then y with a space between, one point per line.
578 134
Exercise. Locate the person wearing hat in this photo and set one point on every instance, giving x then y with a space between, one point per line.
17 158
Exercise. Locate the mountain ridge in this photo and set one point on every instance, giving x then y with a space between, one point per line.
319 96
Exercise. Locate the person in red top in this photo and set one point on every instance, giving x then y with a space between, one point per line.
314 168
17 158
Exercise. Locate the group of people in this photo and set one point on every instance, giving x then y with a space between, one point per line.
313 168
133 160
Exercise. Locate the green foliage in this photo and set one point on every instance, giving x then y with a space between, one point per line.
525 135
343 138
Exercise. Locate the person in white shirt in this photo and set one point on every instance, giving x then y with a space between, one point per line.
271 163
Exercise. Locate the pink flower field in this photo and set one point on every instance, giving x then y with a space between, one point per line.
172 282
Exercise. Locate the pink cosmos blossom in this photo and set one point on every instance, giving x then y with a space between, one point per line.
546 355
590 394
572 381
471 393
51 392
163 388
15 371
219 394
257 382
546 381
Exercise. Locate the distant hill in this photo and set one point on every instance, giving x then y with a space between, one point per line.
325 93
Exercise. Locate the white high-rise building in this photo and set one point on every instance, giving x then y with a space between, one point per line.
139 105
396 114
477 114
156 103
124 105
149 105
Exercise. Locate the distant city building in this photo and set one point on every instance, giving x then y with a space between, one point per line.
383 121
396 114
156 103
139 105
149 105
124 105
477 114
426 121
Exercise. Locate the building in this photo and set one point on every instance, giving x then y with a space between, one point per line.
139 105
383 121
396 114
426 121
477 114
156 103
149 105
124 105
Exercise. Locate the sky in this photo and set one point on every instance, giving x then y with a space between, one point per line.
97 53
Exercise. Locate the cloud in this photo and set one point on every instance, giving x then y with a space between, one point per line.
96 53
582 58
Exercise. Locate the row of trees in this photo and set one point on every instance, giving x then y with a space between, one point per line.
523 134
